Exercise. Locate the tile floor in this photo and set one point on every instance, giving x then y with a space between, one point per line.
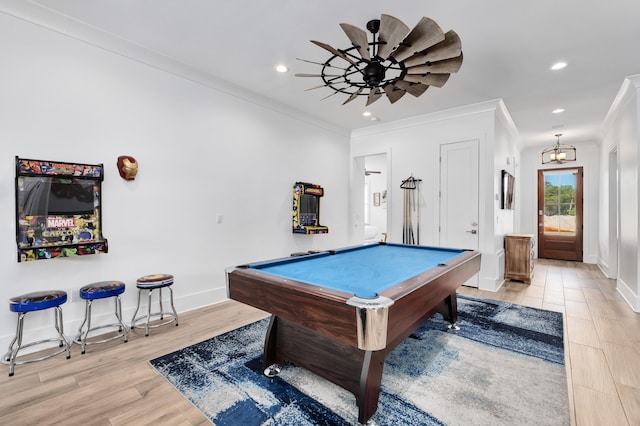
602 338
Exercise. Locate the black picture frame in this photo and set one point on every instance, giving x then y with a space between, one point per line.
507 199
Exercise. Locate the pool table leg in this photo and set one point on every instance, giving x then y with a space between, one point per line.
370 381
271 367
358 371
449 310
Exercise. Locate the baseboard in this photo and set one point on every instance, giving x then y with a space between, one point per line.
629 296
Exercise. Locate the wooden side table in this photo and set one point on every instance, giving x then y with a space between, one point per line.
518 259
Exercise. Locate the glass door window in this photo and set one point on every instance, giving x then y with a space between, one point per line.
560 203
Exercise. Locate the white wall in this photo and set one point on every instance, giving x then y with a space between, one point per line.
413 148
505 157
622 131
203 150
587 157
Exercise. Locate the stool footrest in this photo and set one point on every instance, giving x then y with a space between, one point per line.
65 347
154 314
122 333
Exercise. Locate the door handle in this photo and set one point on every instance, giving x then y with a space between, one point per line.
473 231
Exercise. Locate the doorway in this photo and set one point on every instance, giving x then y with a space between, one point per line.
459 187
375 198
560 214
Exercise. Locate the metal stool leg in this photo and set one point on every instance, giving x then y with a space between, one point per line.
161 308
15 344
83 335
60 328
79 337
123 328
146 329
133 319
173 308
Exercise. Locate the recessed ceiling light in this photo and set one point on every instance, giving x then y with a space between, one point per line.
558 66
558 110
282 68
366 114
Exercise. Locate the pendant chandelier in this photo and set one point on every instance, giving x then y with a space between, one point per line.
559 153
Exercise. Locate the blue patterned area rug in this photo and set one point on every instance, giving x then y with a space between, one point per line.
504 366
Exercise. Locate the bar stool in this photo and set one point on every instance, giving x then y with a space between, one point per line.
101 290
30 302
150 283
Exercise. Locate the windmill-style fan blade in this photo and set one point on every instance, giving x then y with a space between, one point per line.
328 96
450 47
393 93
353 96
437 80
333 50
415 89
317 75
447 66
315 87
424 35
373 96
358 38
322 64
392 31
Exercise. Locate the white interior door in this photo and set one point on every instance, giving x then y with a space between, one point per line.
459 227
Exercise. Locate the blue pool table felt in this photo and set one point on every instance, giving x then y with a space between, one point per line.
364 271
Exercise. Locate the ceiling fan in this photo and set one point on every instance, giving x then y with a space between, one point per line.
396 61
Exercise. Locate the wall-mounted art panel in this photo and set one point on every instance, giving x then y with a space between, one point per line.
58 209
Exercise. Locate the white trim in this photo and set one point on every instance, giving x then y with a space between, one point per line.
449 114
629 296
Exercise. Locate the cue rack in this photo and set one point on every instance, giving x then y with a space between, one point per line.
411 209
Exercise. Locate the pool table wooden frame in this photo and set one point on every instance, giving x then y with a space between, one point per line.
316 329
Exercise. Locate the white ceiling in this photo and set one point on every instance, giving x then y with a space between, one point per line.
508 49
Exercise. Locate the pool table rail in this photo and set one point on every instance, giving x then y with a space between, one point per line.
302 303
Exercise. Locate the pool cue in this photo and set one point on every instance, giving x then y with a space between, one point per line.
418 214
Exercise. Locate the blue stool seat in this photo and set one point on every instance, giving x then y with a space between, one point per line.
95 291
31 302
37 301
102 290
149 283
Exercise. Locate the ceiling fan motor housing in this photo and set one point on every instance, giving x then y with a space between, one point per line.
374 73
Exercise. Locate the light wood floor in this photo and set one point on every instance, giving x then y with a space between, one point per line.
113 384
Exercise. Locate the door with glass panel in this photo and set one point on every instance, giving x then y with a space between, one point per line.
560 214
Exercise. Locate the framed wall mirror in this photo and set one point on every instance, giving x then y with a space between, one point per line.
508 187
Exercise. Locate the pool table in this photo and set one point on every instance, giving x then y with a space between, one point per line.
338 313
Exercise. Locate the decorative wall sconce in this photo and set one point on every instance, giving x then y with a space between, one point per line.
559 153
127 167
